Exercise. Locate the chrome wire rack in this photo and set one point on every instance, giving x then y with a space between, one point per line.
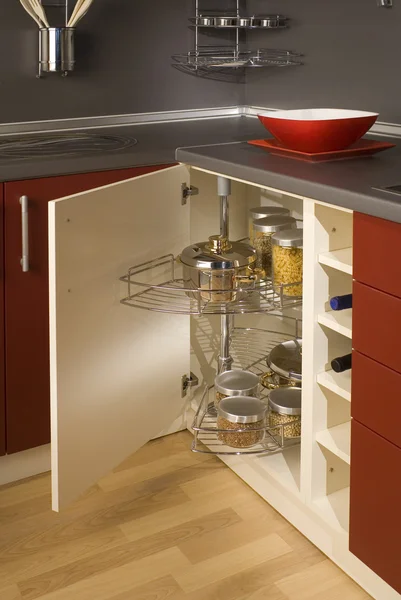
158 285
249 348
230 57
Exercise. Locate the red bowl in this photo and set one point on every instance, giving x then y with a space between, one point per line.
318 129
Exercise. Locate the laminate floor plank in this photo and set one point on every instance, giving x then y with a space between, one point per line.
167 524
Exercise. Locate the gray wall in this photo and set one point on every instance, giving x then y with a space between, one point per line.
123 64
352 57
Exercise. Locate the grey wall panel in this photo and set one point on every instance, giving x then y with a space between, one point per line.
352 57
123 53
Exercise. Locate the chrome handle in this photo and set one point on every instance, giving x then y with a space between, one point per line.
25 233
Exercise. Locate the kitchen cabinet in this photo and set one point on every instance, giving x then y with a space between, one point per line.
375 520
27 307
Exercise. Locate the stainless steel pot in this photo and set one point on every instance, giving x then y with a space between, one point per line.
244 21
206 21
218 268
285 366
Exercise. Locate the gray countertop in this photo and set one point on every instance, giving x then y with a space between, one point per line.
157 144
347 183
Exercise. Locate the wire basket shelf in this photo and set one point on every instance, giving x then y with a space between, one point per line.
249 349
158 285
230 57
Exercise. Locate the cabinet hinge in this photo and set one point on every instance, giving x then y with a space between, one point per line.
186 192
188 382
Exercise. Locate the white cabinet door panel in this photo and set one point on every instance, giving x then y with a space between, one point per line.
115 370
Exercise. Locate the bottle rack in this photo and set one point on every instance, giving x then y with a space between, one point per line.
158 285
222 58
250 348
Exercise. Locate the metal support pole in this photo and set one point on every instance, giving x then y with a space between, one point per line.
224 191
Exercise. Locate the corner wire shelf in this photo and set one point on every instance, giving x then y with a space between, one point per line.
208 61
158 285
249 348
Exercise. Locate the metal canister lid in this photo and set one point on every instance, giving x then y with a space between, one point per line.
289 238
260 212
236 383
286 359
286 400
274 223
242 409
218 253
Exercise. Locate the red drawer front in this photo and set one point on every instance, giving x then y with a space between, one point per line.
376 397
375 517
376 325
377 252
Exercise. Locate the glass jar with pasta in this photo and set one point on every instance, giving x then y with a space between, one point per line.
260 212
264 229
287 253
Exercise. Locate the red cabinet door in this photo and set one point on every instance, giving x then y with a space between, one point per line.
376 325
376 397
27 305
377 248
375 500
2 381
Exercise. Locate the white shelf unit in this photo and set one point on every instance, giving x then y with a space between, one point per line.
337 440
338 259
339 383
339 321
334 509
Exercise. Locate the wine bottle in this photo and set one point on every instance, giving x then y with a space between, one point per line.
342 363
341 302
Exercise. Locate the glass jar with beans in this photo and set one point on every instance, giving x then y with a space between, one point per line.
285 412
235 383
241 421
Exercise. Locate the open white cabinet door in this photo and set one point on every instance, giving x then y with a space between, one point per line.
115 370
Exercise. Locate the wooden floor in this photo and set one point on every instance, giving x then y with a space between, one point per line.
166 524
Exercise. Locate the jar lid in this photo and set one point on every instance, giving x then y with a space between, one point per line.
274 223
218 253
236 383
286 359
286 400
242 409
259 212
289 238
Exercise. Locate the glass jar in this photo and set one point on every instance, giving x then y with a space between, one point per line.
235 383
285 366
263 231
260 212
287 249
285 407
244 418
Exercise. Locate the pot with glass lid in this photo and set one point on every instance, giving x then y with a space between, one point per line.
219 268
284 366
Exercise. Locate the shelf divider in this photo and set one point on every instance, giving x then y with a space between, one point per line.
337 440
338 259
340 321
339 383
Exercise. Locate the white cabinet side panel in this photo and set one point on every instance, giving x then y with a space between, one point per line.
115 370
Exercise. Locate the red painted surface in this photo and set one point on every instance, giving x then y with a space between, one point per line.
376 325
377 252
318 135
376 397
27 306
360 148
2 378
375 516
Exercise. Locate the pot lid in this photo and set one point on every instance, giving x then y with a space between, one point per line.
218 253
286 400
274 223
286 359
289 238
242 409
236 383
259 212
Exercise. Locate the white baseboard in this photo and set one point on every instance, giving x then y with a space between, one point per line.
14 467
